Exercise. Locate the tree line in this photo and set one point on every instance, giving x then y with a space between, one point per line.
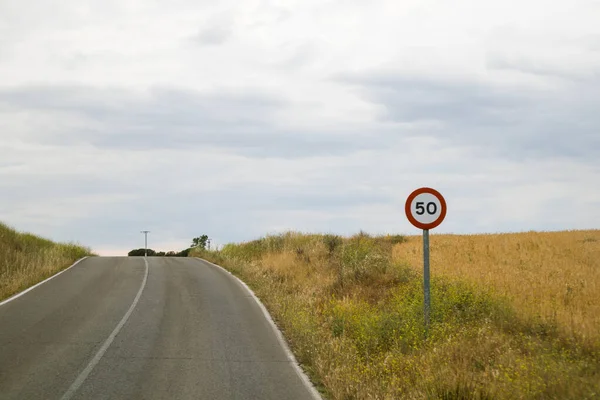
197 242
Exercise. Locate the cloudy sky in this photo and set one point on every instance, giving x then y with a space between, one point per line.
242 118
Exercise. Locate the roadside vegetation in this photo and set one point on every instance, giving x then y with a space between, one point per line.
154 253
26 259
198 243
515 316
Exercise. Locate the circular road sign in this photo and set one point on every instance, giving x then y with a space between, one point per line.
425 208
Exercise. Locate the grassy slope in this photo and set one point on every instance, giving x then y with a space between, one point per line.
26 259
514 315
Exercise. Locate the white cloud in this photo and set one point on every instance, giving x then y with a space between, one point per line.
242 118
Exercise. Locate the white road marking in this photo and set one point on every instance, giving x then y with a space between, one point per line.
303 377
16 296
84 374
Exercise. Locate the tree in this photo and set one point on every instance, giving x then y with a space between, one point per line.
183 253
200 241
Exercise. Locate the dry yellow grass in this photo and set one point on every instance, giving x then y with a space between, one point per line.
352 312
27 259
553 276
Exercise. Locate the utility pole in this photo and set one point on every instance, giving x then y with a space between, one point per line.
145 242
208 244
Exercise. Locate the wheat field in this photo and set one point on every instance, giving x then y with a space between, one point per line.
553 276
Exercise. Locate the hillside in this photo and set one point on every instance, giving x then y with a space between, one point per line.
26 259
514 315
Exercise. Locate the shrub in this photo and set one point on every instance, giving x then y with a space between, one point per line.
362 256
332 243
395 239
141 253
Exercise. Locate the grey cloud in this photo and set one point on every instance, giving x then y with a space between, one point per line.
117 103
412 99
213 35
29 186
172 118
217 30
123 119
9 165
515 123
495 61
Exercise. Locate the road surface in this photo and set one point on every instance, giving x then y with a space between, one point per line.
121 328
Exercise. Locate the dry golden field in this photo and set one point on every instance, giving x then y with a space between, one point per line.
515 316
27 259
553 276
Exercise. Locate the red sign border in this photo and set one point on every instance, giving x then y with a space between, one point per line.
409 201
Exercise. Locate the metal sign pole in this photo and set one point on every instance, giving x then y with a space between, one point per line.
425 208
426 278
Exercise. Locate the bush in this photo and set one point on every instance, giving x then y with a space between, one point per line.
332 242
141 252
395 239
363 256
183 253
153 253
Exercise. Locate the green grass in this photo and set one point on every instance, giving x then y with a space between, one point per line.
352 311
26 259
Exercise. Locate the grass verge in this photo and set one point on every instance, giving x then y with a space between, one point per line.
351 309
27 259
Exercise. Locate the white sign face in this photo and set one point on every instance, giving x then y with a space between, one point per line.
425 208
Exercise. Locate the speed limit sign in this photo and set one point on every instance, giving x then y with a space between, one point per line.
425 208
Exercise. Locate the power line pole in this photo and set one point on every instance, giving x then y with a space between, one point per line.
145 242
208 244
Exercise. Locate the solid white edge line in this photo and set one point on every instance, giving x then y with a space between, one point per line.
94 361
16 296
301 374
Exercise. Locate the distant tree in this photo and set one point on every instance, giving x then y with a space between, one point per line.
183 253
140 253
200 241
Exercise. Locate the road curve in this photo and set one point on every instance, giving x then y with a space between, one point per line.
118 328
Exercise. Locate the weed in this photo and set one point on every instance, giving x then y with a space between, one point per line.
394 239
26 259
332 243
513 316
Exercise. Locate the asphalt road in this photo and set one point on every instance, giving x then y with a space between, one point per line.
118 328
